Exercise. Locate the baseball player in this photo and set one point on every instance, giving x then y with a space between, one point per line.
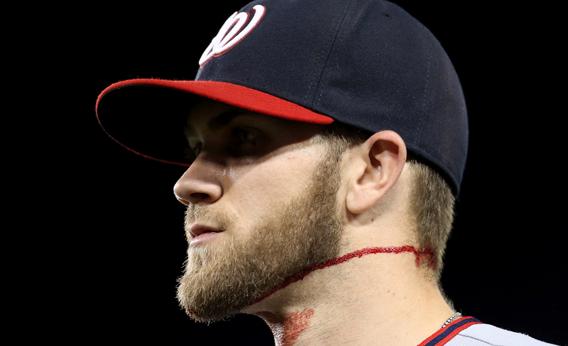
324 144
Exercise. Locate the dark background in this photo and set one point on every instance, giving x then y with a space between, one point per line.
117 245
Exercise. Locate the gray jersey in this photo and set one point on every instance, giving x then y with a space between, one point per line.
468 331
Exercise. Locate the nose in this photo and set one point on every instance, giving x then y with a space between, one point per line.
199 183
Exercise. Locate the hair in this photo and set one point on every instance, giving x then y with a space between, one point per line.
431 203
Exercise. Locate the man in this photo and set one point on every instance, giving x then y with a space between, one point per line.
327 142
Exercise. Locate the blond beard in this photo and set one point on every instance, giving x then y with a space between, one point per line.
221 280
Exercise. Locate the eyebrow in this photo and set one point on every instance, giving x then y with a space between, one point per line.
221 120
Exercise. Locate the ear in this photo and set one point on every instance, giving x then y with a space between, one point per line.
377 167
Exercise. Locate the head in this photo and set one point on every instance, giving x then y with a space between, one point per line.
282 193
287 194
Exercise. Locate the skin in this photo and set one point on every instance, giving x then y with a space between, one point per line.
285 204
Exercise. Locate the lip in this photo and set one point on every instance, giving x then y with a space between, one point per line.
203 238
196 230
201 233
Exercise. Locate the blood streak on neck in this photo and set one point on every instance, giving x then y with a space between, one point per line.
287 330
419 254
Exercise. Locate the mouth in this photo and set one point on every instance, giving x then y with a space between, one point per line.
201 234
196 230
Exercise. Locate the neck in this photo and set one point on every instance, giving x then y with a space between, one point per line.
358 298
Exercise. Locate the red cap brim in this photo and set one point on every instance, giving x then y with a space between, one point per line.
232 94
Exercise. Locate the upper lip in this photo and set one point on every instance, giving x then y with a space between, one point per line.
197 229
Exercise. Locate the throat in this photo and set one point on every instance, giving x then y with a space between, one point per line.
288 328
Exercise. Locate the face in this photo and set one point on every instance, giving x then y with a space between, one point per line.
270 187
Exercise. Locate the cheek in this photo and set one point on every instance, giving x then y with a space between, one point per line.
261 190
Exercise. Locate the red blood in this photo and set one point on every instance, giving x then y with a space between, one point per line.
359 253
288 329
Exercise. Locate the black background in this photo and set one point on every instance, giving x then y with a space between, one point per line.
114 246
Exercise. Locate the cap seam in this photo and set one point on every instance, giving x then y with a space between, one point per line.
317 92
424 98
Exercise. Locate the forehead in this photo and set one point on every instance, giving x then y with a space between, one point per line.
205 110
205 114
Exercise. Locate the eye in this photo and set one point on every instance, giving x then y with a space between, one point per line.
245 135
244 141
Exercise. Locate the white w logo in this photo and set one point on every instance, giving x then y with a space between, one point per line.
231 33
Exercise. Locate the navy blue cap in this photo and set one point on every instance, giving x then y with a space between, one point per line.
366 63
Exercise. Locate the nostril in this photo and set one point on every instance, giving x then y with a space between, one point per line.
199 197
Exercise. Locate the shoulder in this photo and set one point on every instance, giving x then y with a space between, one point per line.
489 335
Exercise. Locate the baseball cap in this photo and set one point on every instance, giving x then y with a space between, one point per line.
364 63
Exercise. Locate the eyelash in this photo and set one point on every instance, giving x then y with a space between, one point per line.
197 149
244 135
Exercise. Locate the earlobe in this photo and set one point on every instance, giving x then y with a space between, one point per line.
379 165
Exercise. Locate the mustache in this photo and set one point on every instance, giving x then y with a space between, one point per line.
192 213
205 215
